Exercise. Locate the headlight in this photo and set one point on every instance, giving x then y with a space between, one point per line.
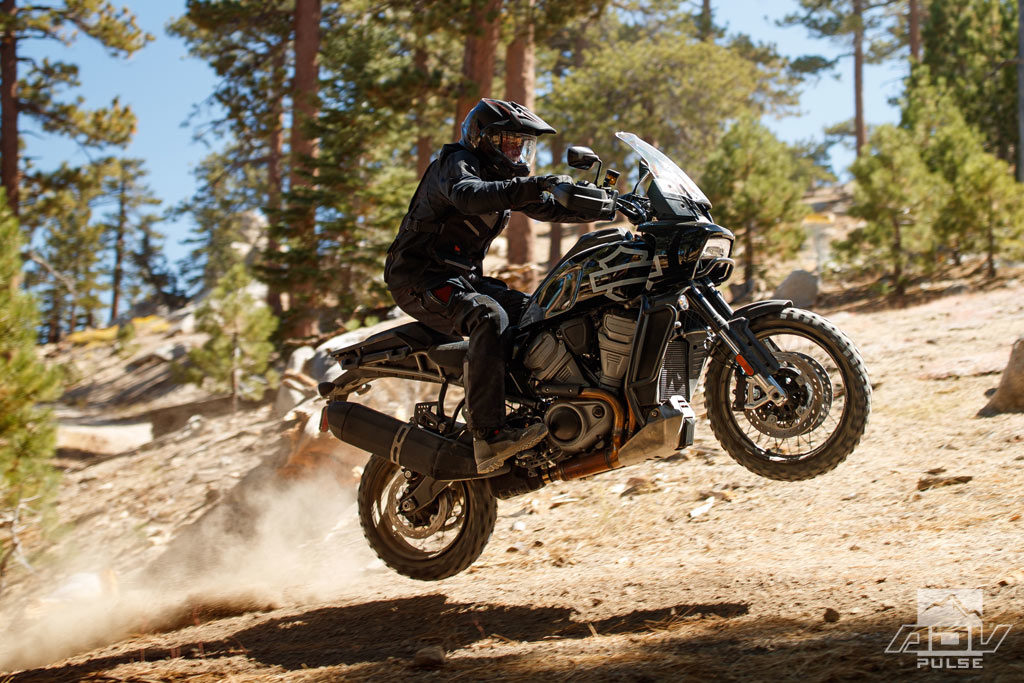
716 247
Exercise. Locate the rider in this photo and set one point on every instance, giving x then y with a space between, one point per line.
434 267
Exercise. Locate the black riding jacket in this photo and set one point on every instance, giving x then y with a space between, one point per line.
453 217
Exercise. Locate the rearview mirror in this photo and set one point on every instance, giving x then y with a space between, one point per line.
581 157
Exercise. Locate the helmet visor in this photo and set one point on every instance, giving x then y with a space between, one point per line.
519 148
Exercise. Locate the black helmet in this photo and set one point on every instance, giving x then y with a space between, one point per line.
505 133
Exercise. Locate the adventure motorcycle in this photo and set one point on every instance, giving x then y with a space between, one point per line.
608 355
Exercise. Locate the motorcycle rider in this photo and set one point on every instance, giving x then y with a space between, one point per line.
434 267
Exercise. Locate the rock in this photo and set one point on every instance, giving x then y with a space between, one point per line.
701 509
429 657
636 486
937 482
299 358
295 388
831 616
936 471
800 287
1009 396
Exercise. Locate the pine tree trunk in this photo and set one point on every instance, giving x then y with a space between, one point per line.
1020 91
520 77
990 255
118 274
275 161
896 252
478 60
304 321
53 333
9 109
860 129
424 146
236 352
914 21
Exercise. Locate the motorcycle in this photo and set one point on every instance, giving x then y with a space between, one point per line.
608 354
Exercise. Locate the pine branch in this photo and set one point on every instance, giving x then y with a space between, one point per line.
68 283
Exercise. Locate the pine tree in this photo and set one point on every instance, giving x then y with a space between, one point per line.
125 188
983 213
247 43
860 24
226 192
236 356
681 116
27 479
67 269
756 183
971 45
895 193
36 92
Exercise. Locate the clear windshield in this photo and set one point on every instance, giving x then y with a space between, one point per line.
670 177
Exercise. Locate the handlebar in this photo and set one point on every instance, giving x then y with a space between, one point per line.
587 199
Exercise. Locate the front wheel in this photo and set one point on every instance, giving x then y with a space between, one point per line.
827 411
435 543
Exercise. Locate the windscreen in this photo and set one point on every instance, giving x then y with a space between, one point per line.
670 178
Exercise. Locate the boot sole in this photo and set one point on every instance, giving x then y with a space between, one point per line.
497 461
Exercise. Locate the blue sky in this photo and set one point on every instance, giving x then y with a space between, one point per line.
163 85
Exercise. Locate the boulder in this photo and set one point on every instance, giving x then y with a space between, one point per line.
1009 396
295 388
299 358
800 287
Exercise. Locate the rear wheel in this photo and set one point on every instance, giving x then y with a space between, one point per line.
827 411
435 543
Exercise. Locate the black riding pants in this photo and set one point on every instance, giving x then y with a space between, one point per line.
483 311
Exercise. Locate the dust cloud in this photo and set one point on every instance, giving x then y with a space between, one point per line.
267 544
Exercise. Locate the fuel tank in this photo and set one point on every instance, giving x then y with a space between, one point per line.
604 263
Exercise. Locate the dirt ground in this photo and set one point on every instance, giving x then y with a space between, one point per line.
607 578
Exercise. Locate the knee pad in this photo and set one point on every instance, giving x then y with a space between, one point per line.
481 310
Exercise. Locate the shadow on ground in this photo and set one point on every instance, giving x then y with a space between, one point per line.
377 640
388 629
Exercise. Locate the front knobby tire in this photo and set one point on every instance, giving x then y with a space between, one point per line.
809 347
464 522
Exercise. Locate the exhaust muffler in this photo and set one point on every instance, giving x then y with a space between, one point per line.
404 443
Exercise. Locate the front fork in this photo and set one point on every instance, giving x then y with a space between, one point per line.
756 361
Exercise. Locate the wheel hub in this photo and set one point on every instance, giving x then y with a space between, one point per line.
424 524
810 397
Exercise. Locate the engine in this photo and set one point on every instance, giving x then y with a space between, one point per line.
577 425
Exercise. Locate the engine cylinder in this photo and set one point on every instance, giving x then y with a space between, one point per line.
615 341
550 361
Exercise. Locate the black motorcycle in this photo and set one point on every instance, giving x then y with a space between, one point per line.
608 355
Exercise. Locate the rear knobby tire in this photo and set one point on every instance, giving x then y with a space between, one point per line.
720 384
478 520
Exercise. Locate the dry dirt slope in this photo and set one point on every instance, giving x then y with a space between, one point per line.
615 579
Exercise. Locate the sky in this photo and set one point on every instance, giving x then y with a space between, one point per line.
163 85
